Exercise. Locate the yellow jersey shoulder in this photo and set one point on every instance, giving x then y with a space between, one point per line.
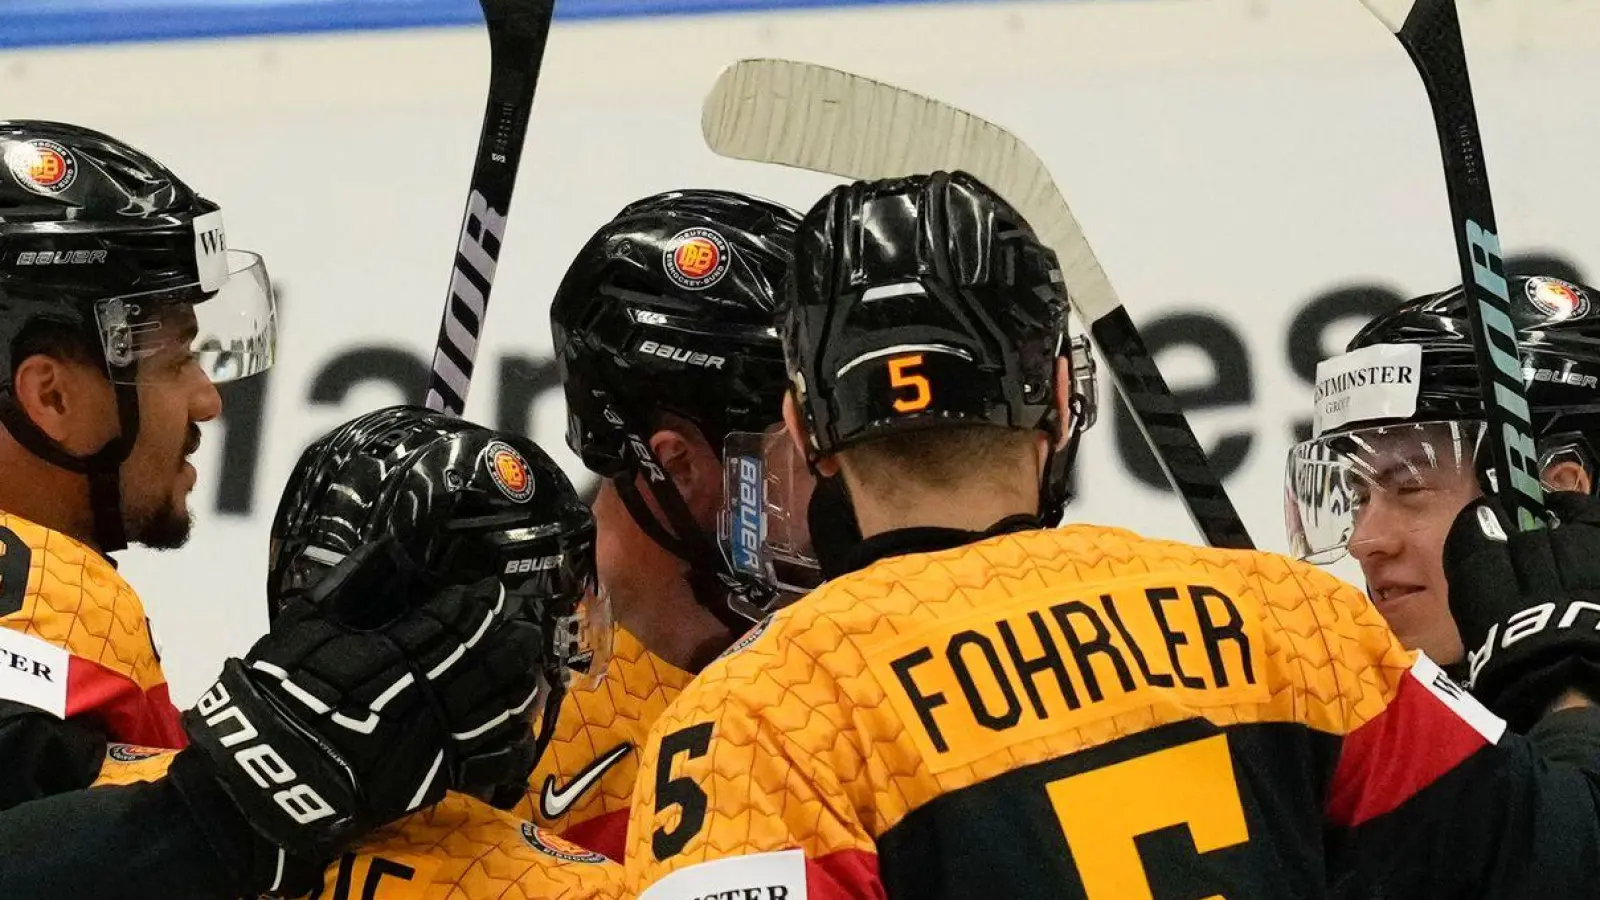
464 849
459 849
1127 631
583 785
73 598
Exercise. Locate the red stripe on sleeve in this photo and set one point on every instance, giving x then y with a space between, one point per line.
1430 727
127 713
844 875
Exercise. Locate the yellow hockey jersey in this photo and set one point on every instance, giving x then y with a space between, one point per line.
583 785
1055 714
74 639
458 849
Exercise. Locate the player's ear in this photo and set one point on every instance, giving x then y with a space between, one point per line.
1064 400
69 401
828 466
693 465
1567 475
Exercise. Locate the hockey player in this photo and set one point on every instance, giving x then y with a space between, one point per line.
664 333
1407 390
428 598
121 307
467 504
975 705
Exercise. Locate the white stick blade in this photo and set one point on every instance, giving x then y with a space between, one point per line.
813 117
1392 13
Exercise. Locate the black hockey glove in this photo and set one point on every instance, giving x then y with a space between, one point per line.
373 694
1527 605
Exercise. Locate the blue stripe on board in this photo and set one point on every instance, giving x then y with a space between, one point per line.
39 23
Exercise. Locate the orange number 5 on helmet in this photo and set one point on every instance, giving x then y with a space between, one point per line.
902 374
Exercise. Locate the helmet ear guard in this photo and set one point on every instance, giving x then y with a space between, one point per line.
1555 451
1083 404
1573 449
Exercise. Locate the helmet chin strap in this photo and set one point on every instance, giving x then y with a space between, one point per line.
102 468
1054 494
831 520
707 577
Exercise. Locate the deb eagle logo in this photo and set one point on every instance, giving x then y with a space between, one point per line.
509 471
696 258
1557 299
550 845
41 166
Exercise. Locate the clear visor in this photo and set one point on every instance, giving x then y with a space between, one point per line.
763 528
583 642
229 327
1374 485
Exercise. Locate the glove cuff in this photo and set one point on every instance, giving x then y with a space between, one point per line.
258 866
292 787
1526 663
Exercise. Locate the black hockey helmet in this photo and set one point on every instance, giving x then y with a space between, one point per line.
1409 377
668 308
922 303
462 503
1558 334
104 247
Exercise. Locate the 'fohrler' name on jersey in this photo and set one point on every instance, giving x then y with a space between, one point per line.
1045 662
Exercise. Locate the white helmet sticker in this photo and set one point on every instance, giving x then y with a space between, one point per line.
1377 382
211 250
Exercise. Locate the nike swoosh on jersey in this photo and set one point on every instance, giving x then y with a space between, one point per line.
554 803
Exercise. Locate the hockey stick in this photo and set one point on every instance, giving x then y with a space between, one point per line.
1431 33
518 30
812 117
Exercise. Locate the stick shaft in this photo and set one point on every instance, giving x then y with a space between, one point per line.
1431 34
518 32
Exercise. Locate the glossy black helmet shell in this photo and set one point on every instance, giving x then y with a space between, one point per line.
921 302
84 217
668 308
1558 335
464 502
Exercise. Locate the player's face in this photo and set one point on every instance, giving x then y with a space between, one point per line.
1404 506
617 538
174 396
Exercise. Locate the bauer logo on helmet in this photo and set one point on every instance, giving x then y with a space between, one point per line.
509 471
696 258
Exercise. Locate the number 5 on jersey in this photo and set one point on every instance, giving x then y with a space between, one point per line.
903 375
1104 810
682 792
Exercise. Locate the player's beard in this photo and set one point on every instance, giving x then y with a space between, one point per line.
163 529
166 527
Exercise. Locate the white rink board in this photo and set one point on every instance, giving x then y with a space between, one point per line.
1230 160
